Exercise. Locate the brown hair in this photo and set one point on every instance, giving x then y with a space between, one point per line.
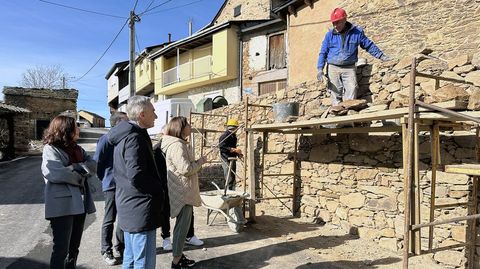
175 126
60 132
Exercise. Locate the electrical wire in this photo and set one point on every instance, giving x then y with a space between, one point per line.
159 5
138 43
135 6
103 54
84 10
149 5
167 9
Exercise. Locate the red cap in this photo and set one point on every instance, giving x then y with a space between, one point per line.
338 14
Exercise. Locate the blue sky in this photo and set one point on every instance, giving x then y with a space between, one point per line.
37 33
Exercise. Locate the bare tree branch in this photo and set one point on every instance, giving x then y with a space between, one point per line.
47 77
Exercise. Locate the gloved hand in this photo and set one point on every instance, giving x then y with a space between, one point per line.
385 58
320 76
203 160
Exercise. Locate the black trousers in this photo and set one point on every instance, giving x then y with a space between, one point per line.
225 164
67 233
107 226
165 222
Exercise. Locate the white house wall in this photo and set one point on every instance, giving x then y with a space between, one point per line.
258 53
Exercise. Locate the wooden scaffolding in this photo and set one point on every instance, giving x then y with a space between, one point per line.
419 116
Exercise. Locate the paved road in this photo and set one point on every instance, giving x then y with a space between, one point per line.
25 237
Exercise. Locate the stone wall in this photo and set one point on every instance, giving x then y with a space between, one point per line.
399 28
44 104
228 89
255 59
250 10
355 180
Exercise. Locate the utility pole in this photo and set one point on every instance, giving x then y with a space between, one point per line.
131 66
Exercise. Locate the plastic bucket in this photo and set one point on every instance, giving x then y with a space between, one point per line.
281 111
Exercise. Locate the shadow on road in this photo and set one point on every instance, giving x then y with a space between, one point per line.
26 263
349 264
22 182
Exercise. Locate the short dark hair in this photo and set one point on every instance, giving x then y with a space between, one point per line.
175 126
60 132
117 117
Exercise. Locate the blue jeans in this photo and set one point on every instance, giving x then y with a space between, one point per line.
343 83
140 250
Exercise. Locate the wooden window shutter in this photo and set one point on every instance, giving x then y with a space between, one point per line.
271 86
276 52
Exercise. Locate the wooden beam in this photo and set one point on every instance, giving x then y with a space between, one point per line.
292 10
465 169
362 117
435 148
443 78
253 185
441 116
440 222
308 3
417 192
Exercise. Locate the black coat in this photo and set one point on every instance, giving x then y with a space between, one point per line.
139 193
227 141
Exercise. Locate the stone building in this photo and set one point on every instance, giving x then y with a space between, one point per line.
355 181
90 119
43 105
13 123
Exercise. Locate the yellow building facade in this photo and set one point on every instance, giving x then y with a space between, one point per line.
188 66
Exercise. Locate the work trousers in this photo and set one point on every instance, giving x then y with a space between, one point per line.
166 225
108 223
226 171
67 233
342 83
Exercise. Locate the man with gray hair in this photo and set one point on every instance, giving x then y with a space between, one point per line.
139 192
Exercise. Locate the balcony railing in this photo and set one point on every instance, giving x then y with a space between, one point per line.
187 71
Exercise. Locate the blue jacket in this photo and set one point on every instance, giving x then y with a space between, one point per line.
344 51
104 157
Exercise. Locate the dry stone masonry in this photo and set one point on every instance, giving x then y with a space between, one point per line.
355 181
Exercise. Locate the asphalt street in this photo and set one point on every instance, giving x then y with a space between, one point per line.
25 236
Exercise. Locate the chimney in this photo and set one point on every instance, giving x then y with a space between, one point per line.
190 26
169 37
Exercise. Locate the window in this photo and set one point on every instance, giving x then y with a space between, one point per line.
237 11
276 51
271 86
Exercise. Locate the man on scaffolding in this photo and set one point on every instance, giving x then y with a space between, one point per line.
229 152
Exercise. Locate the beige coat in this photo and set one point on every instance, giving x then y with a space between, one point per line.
182 177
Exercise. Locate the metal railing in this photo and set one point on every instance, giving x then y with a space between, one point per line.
190 70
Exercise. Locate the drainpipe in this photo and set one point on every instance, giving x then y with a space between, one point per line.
178 64
287 51
240 61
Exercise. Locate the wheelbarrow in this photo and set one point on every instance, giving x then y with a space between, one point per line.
226 202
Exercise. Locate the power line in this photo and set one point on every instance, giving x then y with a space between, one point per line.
84 10
138 43
167 9
103 54
149 5
135 6
159 5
